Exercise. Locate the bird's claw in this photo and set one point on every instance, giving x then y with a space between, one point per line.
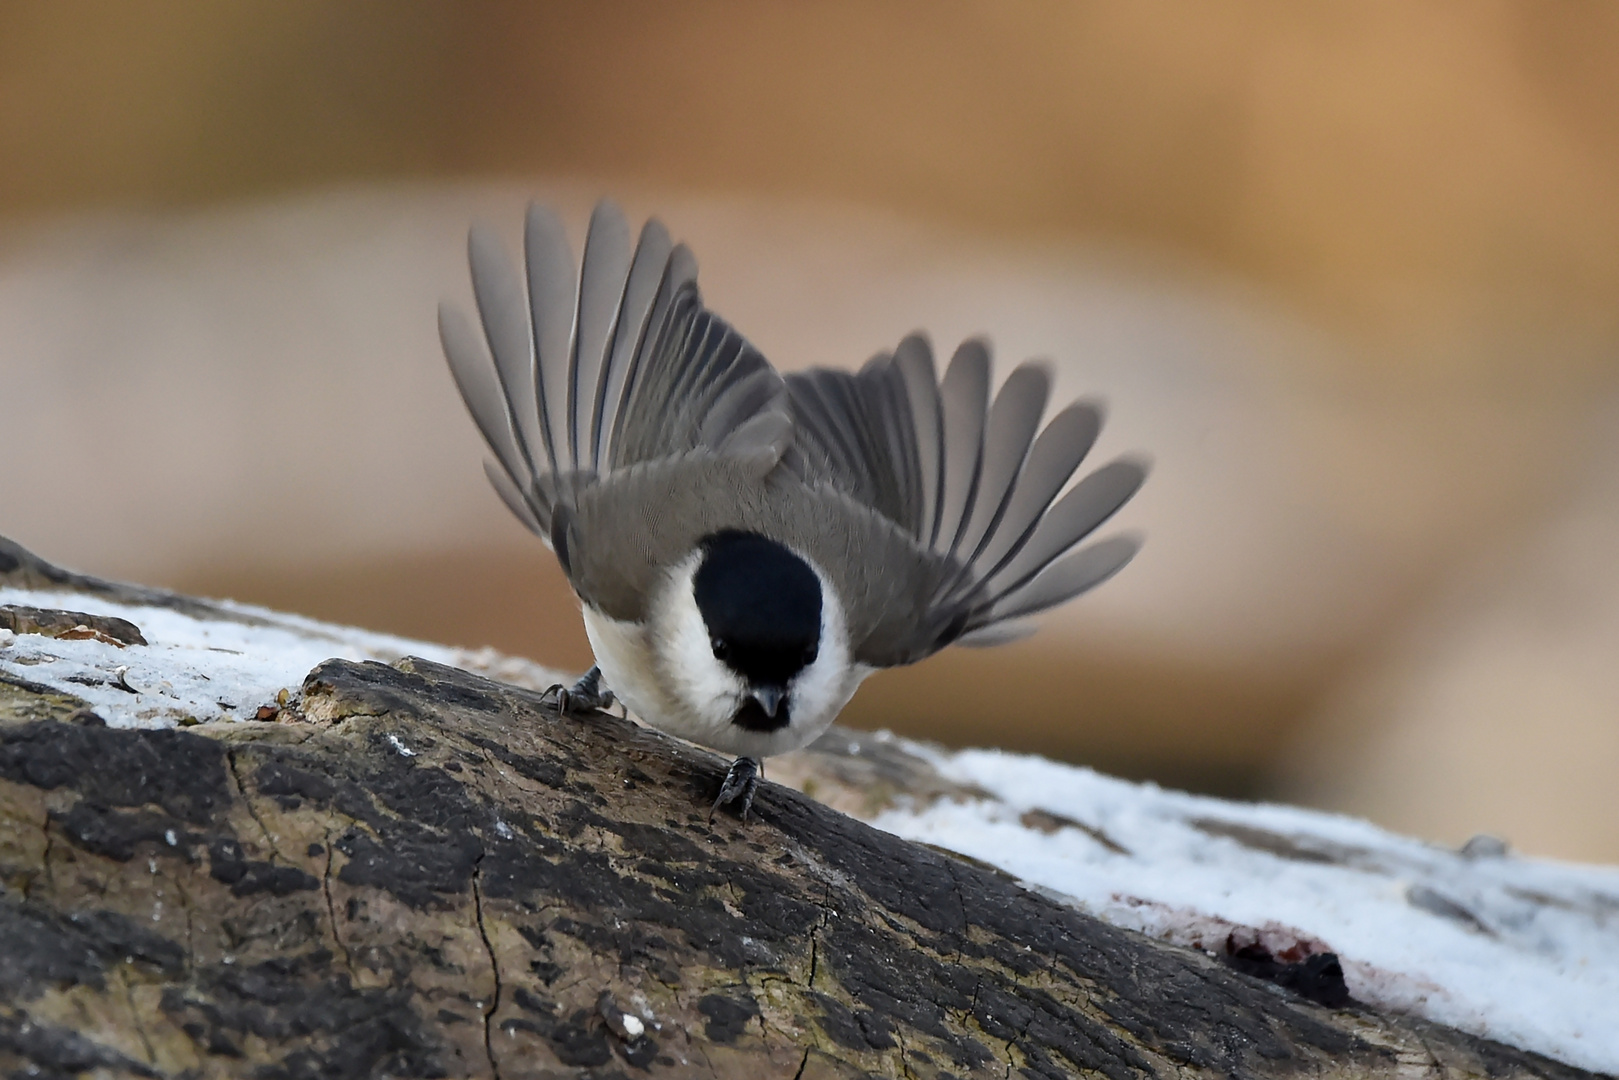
741 782
586 695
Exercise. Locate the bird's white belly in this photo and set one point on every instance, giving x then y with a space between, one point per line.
624 655
630 668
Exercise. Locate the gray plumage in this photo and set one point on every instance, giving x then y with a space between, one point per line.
627 423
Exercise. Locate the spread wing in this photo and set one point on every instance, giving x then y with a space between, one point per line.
974 485
576 380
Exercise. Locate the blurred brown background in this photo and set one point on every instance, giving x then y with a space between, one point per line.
1349 272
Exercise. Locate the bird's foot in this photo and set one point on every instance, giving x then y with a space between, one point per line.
586 695
741 782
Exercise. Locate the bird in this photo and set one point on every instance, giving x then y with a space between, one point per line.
748 546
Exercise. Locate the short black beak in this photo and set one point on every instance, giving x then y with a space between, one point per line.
769 698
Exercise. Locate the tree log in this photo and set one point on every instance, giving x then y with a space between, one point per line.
416 871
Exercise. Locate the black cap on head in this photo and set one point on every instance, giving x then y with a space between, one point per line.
762 605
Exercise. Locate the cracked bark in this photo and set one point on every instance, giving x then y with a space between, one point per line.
331 909
264 830
494 968
135 1020
567 859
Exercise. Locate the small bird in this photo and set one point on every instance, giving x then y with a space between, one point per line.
749 546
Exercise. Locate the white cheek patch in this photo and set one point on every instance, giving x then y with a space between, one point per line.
707 688
820 691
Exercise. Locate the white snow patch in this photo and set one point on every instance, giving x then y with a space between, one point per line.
1524 951
200 669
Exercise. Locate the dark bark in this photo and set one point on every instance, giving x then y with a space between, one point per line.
415 871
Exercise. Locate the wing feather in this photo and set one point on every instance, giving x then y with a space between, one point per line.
914 361
551 298
736 403
999 633
1014 420
763 436
854 432
479 383
591 373
964 394
646 277
1057 452
505 326
516 503
1066 578
1071 519
602 287
893 425
649 372
974 486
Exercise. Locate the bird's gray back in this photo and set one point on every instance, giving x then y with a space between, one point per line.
628 529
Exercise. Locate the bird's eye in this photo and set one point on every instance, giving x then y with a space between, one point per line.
811 653
722 648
